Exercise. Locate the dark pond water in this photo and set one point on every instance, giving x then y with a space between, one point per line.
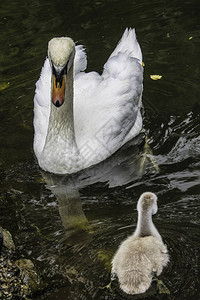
70 227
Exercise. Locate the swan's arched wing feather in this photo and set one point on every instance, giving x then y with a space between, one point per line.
107 107
128 44
80 60
123 76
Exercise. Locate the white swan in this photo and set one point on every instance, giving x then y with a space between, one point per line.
142 253
81 118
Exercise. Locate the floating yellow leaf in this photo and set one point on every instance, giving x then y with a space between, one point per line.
40 180
190 37
4 85
155 77
143 64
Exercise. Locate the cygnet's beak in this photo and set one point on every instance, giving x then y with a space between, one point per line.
58 92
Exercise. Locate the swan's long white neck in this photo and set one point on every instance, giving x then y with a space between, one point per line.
60 145
61 120
145 225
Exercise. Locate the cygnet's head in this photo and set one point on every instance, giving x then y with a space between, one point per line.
61 51
148 202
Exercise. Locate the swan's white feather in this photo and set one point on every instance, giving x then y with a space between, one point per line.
129 44
80 60
42 108
106 107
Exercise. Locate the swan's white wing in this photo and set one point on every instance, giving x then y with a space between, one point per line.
107 107
126 74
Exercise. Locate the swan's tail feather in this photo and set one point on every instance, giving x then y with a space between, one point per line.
129 44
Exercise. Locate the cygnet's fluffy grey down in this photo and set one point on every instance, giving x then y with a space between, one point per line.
142 253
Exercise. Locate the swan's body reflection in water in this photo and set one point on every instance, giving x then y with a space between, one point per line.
70 208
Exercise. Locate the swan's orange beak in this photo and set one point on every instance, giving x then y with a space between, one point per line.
58 93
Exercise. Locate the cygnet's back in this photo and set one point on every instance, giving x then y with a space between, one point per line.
142 253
